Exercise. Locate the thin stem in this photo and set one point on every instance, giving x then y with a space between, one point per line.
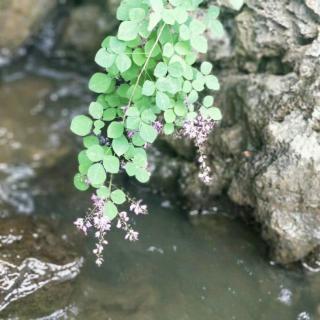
145 66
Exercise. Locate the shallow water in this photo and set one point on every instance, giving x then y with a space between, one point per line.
214 269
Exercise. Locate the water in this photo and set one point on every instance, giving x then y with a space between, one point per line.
214 269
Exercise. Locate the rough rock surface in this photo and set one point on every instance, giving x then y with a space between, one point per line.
19 19
266 154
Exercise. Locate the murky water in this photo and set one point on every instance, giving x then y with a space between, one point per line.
215 269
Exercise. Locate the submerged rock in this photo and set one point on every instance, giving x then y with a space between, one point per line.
32 256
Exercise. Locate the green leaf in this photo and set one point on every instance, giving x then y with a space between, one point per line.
236 4
123 62
139 57
148 88
115 130
151 49
95 153
137 14
169 116
175 69
133 123
111 164
128 30
103 192
161 70
199 43
182 48
213 12
208 101
212 83
118 196
215 114
81 125
95 110
120 145
187 87
168 16
79 182
180 15
142 175
148 133
162 101
110 211
184 32
180 109
90 141
96 174
176 3
109 114
99 83
168 128
193 96
104 59
116 45
156 5
206 68
130 169
154 19
216 28
137 140
148 116
140 160
168 50
197 27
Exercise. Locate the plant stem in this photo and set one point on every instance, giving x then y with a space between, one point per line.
145 66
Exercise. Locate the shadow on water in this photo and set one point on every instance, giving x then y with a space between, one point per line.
215 270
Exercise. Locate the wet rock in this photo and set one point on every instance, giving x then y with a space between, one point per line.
87 26
35 256
265 154
19 20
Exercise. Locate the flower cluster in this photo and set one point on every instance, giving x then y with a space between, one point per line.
199 130
96 221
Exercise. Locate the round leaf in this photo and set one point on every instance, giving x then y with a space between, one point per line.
111 164
95 153
96 174
128 30
110 211
99 83
81 125
120 145
123 62
96 110
115 130
79 182
148 133
118 196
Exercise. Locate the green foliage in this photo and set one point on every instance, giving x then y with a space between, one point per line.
148 77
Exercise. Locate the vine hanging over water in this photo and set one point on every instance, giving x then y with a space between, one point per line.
149 84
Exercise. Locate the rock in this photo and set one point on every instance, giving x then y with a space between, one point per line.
35 256
20 19
266 153
87 26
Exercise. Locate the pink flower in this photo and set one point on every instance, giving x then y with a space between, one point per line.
137 208
132 235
